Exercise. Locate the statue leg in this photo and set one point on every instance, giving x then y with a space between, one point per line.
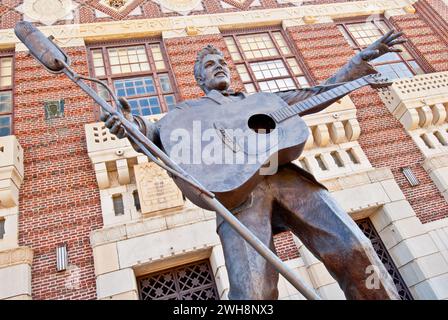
250 275
311 213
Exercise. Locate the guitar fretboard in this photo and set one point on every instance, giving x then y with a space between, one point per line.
317 100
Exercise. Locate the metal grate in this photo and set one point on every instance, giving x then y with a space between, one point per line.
189 282
369 230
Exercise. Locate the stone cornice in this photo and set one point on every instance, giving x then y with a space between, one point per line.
21 255
418 102
11 171
155 27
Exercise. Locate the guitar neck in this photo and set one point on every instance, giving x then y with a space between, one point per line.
318 100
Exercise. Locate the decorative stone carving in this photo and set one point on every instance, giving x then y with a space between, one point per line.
439 114
244 19
117 4
102 176
20 255
117 9
352 129
156 189
183 7
47 11
321 135
337 132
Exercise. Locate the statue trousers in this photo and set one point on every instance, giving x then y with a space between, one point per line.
289 201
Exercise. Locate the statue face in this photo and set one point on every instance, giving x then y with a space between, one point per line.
215 73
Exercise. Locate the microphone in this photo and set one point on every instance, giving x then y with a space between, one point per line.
42 48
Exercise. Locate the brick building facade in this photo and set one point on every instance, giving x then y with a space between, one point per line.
68 184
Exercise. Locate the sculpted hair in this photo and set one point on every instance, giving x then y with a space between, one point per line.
209 49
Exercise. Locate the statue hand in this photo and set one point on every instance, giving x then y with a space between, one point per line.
382 46
114 124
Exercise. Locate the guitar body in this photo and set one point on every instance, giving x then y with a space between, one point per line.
230 148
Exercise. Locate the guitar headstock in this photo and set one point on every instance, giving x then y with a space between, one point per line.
378 81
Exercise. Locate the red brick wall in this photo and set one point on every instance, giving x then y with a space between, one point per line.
59 199
437 8
383 138
86 10
285 246
423 38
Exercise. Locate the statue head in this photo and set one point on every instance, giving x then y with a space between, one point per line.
211 70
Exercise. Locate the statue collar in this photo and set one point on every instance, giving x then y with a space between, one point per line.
221 98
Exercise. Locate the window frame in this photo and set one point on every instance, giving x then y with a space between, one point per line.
120 205
356 20
11 88
283 57
109 77
2 228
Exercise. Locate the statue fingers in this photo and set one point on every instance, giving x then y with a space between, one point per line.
393 37
104 116
125 107
116 127
121 133
398 50
396 42
110 122
385 37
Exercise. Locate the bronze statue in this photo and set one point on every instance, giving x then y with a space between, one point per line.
291 199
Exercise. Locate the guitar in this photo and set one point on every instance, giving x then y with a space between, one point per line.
229 148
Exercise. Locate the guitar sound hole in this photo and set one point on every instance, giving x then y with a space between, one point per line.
261 123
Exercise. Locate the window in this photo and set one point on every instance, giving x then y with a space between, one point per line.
265 62
137 72
2 228
136 200
6 101
117 200
393 65
190 282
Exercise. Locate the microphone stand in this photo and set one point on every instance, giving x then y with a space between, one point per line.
152 151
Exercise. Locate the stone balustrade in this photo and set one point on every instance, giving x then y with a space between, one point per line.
332 148
120 170
420 103
11 171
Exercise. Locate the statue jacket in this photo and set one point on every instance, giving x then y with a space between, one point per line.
354 69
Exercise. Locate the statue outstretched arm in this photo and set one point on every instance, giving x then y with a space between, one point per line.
357 67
